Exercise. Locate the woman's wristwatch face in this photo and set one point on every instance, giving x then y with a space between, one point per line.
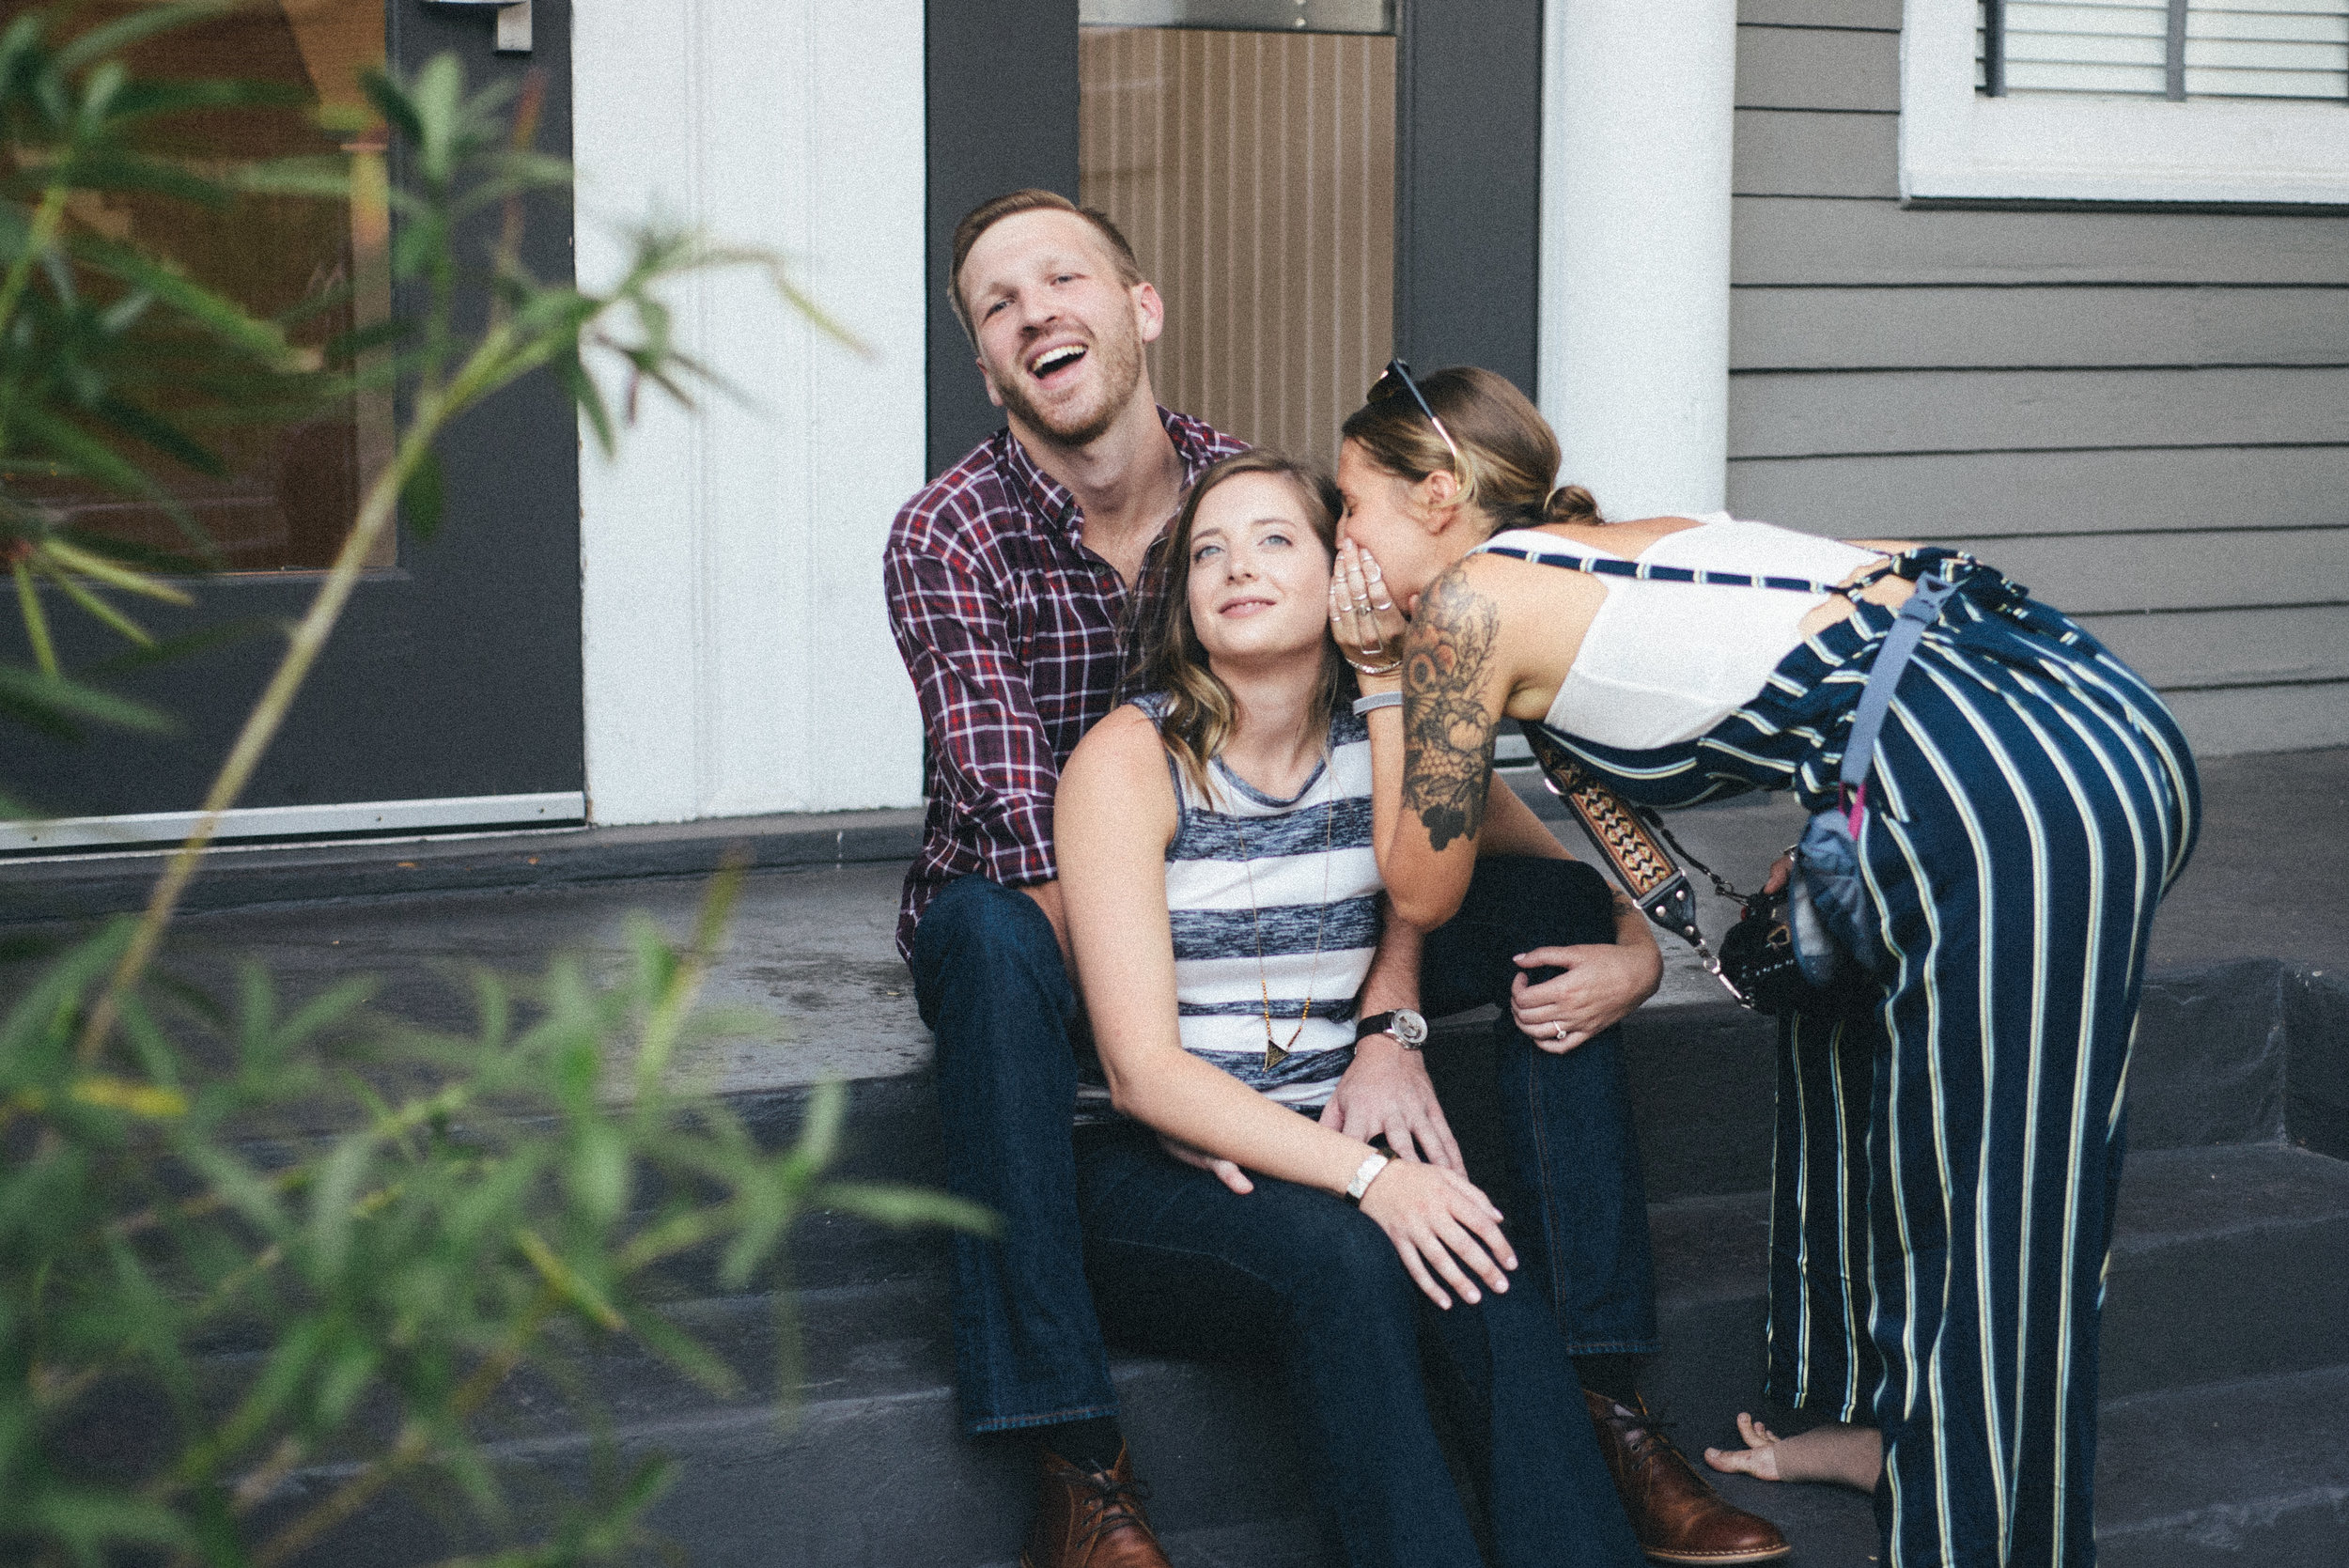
1408 1029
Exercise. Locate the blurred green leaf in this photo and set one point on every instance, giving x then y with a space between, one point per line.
202 307
58 706
886 1203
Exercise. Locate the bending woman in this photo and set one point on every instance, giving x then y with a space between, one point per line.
1950 1144
1214 840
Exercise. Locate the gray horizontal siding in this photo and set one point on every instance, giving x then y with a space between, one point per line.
1802 67
2227 648
1775 414
1881 15
1780 240
1873 329
2144 415
2121 573
1996 495
1802 152
2264 719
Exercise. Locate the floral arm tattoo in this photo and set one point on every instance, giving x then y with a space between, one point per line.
1448 734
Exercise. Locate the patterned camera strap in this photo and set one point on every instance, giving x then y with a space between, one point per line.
1628 843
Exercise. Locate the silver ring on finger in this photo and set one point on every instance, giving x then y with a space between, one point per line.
1558 1029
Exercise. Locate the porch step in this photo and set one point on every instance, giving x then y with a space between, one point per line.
2244 1474
2227 1262
2208 1068
869 1469
2228 1474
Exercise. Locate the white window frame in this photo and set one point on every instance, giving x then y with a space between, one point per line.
1960 144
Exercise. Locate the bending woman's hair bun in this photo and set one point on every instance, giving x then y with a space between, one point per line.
1570 504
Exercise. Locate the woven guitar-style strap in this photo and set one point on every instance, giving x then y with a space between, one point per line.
1640 862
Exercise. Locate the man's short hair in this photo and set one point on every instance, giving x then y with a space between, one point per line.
1033 199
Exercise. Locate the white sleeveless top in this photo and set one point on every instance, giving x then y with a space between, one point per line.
1663 662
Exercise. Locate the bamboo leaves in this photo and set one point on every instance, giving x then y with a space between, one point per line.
498 1218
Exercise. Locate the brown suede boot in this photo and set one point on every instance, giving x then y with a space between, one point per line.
1090 1520
1674 1512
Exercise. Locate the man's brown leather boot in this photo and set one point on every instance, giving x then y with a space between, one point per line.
1674 1512
1090 1520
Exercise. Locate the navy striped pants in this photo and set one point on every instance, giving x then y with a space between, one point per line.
1948 1156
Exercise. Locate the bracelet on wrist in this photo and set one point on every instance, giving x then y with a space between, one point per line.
1376 701
1365 1173
1392 667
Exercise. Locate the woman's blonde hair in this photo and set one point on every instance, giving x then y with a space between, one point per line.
1173 662
1508 454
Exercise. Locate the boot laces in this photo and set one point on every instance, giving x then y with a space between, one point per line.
1111 1502
1655 1438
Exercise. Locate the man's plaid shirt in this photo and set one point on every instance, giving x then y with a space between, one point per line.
1015 635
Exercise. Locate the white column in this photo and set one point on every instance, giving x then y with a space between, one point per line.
1638 116
737 657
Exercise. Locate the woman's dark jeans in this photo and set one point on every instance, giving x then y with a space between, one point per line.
1181 1263
989 978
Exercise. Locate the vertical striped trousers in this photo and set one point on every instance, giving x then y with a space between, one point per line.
1949 1151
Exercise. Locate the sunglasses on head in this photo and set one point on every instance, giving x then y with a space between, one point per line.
1400 373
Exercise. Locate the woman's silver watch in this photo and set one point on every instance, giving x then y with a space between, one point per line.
1408 1029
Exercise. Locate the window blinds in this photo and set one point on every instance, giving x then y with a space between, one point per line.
2177 49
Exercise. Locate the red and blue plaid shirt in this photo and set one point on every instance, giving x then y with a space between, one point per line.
1015 635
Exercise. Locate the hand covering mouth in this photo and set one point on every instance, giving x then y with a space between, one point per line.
1057 358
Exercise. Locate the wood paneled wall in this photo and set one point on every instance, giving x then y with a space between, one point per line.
2144 415
1254 174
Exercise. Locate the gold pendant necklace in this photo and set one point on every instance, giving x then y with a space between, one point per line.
1276 1054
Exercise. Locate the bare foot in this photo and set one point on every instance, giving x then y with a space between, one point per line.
1848 1456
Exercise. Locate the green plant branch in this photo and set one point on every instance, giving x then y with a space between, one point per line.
415 1440
35 619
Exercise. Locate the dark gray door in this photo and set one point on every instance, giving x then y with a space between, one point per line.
1468 190
456 670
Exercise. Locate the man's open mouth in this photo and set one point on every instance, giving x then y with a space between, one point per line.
1055 359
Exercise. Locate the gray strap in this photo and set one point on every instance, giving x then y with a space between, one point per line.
1922 609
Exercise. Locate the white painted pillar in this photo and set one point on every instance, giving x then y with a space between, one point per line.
738 654
1638 118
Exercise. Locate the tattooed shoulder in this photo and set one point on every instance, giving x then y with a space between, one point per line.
1447 728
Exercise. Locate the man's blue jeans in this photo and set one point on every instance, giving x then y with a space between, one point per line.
991 986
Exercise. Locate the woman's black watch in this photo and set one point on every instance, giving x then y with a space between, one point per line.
1408 1029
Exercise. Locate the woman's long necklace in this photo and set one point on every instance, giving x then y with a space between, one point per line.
1274 1054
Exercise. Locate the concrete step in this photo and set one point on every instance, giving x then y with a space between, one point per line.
2209 1068
2195 1225
868 1468
2224 1475
2218 1475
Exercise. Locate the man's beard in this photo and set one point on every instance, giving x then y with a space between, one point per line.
1119 357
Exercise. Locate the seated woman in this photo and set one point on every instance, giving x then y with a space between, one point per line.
1223 904
1950 1125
